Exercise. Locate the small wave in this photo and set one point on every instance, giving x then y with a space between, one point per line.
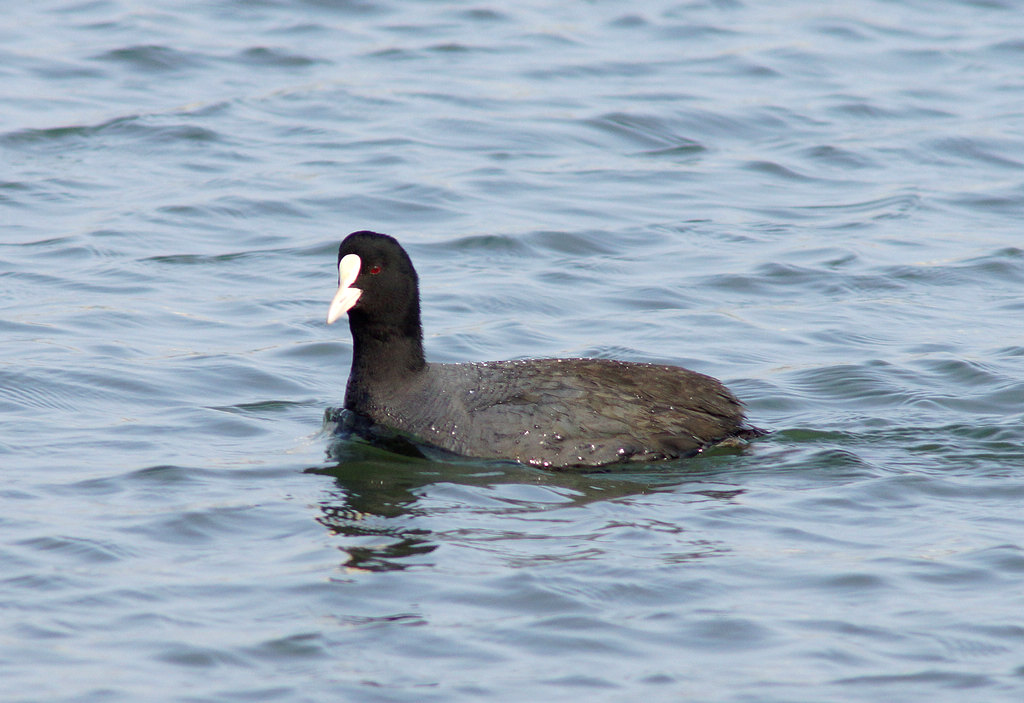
153 58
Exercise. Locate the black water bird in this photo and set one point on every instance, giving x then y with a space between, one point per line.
552 413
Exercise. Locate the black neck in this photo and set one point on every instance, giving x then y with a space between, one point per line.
382 354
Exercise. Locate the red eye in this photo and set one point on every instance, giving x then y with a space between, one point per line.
374 270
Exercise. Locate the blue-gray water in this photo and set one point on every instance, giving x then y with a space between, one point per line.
819 203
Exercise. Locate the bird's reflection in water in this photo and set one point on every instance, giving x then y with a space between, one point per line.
376 504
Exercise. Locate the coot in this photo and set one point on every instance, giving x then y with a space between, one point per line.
552 413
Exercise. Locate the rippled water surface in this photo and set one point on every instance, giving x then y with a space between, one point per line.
819 203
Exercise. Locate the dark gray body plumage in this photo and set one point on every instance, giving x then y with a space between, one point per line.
556 412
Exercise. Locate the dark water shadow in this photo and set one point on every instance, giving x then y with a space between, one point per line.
376 505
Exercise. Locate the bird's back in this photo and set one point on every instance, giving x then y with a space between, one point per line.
560 412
